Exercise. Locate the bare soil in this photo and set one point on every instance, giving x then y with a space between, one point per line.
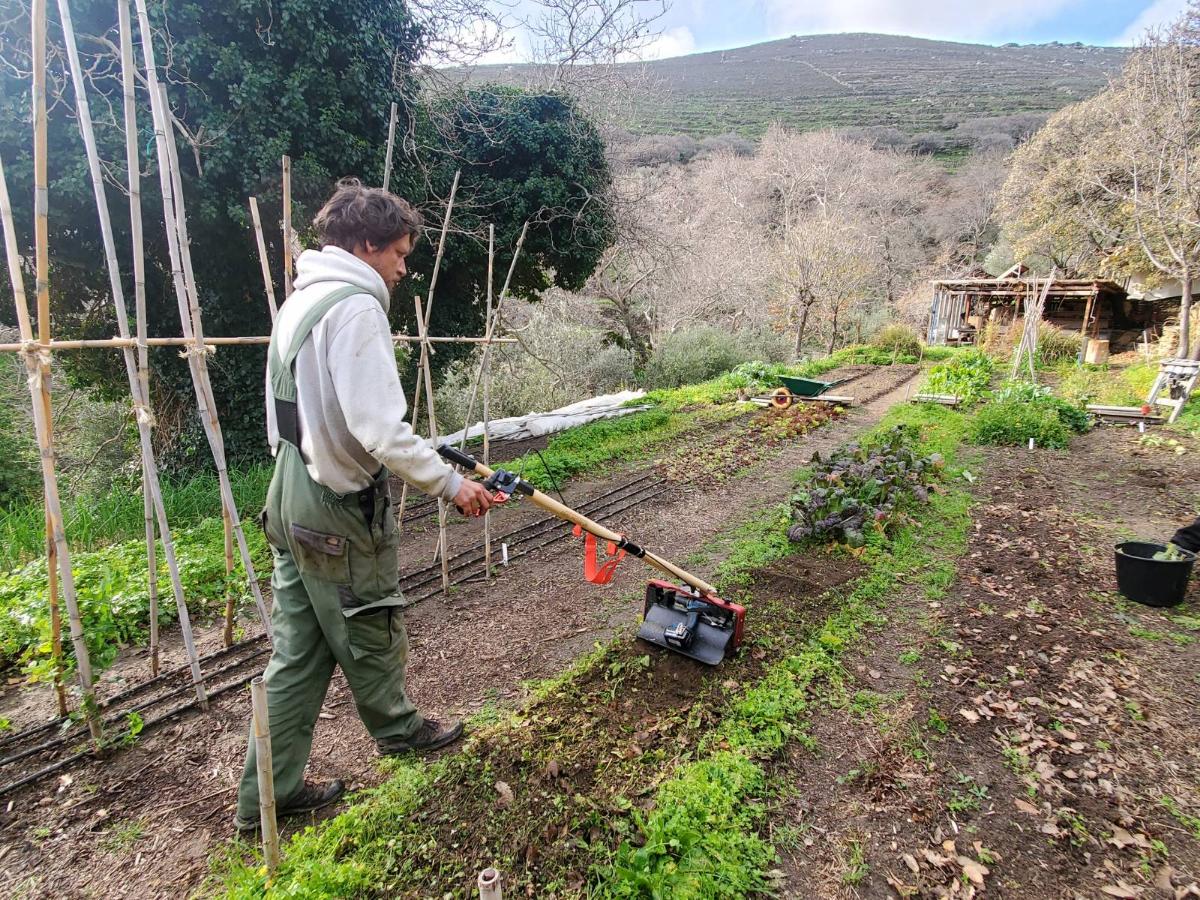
1030 733
144 820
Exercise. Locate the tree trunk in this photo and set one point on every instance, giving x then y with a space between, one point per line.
833 332
800 329
1185 308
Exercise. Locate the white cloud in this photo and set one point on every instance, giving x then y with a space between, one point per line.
1157 14
672 42
944 19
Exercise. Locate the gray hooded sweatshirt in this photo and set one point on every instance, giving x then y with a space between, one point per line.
351 405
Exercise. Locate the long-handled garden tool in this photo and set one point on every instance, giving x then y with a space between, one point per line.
690 620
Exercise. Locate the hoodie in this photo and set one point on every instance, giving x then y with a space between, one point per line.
351 405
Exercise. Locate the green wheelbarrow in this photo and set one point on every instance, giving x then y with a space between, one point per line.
799 388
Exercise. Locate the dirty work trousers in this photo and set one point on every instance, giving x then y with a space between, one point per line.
336 602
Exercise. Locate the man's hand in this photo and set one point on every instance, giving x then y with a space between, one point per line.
472 498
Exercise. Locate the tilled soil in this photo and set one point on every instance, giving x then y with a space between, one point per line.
145 820
1031 733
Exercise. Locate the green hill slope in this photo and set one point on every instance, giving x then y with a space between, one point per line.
840 80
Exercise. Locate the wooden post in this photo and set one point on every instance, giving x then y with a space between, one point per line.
1083 328
176 241
133 166
443 548
38 382
490 885
423 327
266 776
262 258
136 380
287 227
391 142
487 405
489 338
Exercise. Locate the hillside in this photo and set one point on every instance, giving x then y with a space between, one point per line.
912 84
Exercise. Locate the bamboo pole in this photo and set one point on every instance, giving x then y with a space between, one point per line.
223 341
133 167
487 407
489 884
136 380
443 550
230 600
287 227
196 353
423 327
56 651
391 143
38 382
262 258
266 776
192 324
488 337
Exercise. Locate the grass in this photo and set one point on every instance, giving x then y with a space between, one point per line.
93 522
699 833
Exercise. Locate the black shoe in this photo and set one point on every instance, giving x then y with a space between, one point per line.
430 736
310 797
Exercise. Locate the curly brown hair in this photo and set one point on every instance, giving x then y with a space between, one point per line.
357 215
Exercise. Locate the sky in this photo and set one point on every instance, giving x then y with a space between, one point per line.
694 26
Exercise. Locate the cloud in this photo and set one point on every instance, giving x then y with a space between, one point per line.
946 19
1158 13
672 42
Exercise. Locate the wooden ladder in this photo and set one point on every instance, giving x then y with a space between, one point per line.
1174 376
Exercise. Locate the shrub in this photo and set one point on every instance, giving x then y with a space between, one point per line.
898 339
1055 344
701 353
965 375
1013 422
1073 416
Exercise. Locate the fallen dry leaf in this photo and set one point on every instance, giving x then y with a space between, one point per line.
970 715
506 797
973 870
911 862
1121 889
1025 807
934 858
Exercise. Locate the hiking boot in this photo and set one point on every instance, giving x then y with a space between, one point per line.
430 736
309 798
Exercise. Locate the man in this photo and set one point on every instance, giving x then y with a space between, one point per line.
336 425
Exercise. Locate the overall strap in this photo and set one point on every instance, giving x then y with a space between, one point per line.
283 381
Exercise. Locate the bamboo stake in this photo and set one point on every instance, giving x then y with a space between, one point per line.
287 227
223 341
488 337
433 438
391 142
56 653
487 406
266 775
136 380
489 884
423 325
262 258
133 167
229 595
196 353
38 383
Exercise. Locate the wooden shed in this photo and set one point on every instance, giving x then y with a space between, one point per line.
1099 309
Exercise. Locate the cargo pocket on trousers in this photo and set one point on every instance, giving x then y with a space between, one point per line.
374 628
321 555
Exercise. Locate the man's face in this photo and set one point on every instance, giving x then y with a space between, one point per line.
388 260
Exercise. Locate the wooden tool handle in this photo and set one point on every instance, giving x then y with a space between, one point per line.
567 514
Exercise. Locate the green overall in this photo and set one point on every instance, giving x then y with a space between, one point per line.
336 589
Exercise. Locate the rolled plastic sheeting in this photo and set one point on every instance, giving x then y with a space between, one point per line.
607 406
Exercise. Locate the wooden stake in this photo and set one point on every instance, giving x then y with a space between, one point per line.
133 166
423 326
287 227
487 405
136 380
189 317
391 142
36 371
266 775
229 597
443 549
489 884
489 335
262 258
190 320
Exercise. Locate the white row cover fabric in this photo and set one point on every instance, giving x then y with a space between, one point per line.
608 406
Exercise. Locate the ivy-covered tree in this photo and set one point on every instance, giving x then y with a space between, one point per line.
314 79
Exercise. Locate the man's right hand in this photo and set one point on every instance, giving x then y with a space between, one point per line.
472 498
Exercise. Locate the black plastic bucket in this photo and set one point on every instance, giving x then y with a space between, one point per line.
1154 582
